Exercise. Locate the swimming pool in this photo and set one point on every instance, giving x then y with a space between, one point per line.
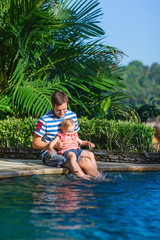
127 206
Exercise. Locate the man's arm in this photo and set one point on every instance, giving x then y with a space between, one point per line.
53 143
38 143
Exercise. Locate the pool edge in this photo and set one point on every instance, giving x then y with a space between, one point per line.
10 168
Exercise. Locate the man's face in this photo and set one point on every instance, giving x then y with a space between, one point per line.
60 110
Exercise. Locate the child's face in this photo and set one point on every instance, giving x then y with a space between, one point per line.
69 130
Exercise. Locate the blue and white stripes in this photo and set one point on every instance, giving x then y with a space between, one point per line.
48 125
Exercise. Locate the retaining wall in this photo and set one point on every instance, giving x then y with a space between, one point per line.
101 155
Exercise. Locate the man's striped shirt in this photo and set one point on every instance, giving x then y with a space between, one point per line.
48 126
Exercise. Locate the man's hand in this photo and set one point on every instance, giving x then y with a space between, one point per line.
61 145
51 151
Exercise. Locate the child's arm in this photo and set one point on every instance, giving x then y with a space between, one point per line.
52 144
85 143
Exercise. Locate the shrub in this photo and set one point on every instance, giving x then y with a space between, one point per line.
148 111
118 136
17 132
106 134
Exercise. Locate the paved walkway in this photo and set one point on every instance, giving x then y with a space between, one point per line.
19 167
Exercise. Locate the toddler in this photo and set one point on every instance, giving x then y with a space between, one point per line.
71 148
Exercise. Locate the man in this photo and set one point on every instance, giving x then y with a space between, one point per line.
48 127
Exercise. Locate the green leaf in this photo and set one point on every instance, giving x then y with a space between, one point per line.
105 104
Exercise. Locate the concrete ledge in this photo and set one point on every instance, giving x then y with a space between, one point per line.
21 173
111 167
10 168
16 168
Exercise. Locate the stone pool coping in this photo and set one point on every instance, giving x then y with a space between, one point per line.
10 168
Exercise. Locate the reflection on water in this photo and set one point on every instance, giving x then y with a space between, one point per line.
70 197
66 197
63 207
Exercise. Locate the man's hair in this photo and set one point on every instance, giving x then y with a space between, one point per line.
67 123
58 98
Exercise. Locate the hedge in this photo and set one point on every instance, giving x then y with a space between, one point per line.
106 134
117 136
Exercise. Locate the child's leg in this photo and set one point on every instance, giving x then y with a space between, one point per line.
75 168
73 159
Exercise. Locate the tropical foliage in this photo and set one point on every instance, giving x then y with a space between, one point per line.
147 111
55 45
143 88
142 83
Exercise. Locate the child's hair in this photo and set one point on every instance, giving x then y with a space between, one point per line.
67 123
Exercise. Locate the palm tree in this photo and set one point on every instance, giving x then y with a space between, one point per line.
47 46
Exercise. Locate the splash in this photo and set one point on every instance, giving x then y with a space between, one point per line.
102 177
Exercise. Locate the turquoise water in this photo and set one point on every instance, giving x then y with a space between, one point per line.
127 206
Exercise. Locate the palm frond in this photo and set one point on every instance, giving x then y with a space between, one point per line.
4 104
47 46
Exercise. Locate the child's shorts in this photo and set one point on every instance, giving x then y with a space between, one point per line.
54 160
77 152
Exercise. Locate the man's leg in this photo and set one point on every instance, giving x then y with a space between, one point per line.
54 160
91 156
90 169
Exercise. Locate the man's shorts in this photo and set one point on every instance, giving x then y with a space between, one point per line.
77 152
54 160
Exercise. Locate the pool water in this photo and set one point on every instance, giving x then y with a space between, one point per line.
123 206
